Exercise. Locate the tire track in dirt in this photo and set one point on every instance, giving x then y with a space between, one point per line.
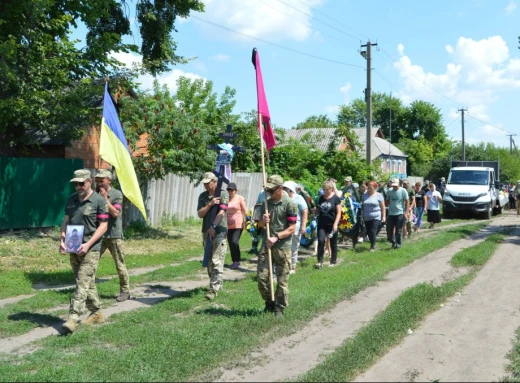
467 339
291 356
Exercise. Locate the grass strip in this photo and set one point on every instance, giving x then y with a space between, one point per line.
177 339
20 317
389 327
479 254
514 357
385 331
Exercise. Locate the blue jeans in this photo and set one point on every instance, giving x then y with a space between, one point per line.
420 212
395 221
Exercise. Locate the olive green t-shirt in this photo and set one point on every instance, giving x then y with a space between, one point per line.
89 213
282 214
411 195
204 199
115 225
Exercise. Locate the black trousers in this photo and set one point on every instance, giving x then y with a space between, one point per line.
394 221
323 232
233 238
371 228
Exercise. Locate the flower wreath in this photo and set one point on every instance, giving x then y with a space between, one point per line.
251 226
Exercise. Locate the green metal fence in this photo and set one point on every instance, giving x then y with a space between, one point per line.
33 191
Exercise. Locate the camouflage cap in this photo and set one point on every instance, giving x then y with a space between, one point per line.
348 179
102 173
273 182
81 175
208 176
395 181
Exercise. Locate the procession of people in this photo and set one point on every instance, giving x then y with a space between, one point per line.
284 212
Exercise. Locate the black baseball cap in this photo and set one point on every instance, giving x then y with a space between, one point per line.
232 185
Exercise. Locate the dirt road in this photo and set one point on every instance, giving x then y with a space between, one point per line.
292 356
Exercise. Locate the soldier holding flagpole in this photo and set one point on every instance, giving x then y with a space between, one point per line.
280 212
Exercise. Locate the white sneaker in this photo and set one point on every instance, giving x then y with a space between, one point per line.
360 240
292 271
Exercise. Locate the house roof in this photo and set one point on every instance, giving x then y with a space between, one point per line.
322 137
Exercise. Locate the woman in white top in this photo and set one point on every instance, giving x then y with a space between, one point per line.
434 199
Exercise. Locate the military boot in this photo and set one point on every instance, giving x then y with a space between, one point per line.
269 307
69 326
123 297
210 295
95 318
278 312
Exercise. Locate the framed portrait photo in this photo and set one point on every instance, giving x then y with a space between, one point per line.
74 238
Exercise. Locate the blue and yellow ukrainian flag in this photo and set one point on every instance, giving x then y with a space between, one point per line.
114 150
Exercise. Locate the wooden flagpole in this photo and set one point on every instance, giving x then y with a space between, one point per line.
269 257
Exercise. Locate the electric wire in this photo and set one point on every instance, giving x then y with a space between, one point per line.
332 18
321 21
488 124
307 25
275 44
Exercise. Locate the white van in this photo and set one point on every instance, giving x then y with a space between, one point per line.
473 188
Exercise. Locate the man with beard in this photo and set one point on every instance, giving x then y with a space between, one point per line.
89 209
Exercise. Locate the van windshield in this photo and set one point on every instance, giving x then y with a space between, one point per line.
468 177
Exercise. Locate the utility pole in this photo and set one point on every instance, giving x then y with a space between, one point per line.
511 142
368 96
462 110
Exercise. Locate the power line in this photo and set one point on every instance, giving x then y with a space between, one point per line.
331 18
452 122
315 18
274 44
416 80
487 123
307 25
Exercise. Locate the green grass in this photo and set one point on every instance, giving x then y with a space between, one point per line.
20 281
177 338
514 357
32 312
388 328
479 254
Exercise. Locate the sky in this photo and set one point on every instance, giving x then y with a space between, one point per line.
454 54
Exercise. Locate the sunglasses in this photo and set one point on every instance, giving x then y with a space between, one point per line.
271 191
76 184
231 190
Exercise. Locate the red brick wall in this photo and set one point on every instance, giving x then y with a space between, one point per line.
88 150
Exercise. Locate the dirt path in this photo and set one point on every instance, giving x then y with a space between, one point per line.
45 287
143 296
293 355
468 338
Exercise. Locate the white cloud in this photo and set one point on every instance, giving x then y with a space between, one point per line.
332 109
478 71
146 81
345 89
221 58
269 19
510 7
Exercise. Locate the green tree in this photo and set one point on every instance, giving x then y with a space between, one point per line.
164 137
46 84
312 122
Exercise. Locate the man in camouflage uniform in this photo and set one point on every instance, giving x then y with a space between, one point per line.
113 238
216 230
407 226
282 214
87 208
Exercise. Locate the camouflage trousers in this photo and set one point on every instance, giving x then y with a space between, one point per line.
115 246
84 268
216 264
282 261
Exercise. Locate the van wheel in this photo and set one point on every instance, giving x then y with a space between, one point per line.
489 213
